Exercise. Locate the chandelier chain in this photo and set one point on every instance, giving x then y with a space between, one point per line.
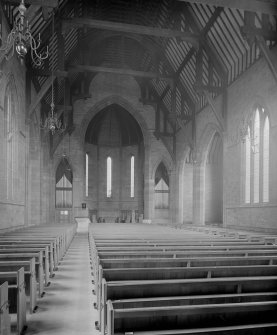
52 122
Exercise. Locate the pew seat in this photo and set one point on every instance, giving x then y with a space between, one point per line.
122 320
5 322
26 257
17 298
29 277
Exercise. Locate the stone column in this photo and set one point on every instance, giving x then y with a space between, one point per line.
148 198
224 178
199 194
174 196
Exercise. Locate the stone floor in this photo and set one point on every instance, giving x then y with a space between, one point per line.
67 307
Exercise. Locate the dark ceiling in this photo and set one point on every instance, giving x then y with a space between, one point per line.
176 49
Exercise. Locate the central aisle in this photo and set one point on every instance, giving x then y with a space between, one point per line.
67 307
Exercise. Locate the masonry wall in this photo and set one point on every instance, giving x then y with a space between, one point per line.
121 175
12 202
27 201
257 85
107 89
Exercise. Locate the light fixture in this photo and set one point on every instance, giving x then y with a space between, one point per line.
20 39
244 132
52 123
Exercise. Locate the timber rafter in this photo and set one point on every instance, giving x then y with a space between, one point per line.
131 28
263 6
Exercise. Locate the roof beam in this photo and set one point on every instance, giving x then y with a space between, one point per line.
213 56
31 12
131 28
217 113
269 55
45 87
123 71
263 6
47 73
42 3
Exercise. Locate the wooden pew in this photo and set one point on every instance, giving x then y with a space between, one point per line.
195 300
16 287
183 273
41 235
26 257
51 242
186 262
5 322
180 287
120 255
188 273
33 244
177 254
131 274
164 248
62 233
25 249
122 320
29 276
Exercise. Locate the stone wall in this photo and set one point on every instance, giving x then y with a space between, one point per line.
12 203
107 89
257 85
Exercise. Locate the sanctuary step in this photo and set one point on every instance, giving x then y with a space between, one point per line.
82 224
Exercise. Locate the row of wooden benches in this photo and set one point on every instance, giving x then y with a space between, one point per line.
228 232
28 259
148 281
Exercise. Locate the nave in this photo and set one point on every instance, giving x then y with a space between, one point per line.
138 279
67 307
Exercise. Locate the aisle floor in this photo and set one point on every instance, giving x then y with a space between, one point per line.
67 306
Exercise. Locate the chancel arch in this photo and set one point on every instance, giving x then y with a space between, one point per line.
115 147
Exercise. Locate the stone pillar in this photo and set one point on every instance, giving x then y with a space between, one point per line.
184 188
174 196
224 178
148 198
77 161
199 194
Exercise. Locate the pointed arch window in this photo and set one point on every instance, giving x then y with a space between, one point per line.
161 187
132 181
247 166
266 160
109 177
87 159
64 180
10 137
256 158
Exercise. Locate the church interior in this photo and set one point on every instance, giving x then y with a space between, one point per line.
137 167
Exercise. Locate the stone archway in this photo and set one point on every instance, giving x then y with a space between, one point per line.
113 135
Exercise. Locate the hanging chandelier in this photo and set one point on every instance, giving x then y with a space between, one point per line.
20 39
52 123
